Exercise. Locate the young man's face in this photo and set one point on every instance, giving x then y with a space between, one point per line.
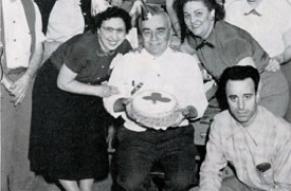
111 34
156 34
242 100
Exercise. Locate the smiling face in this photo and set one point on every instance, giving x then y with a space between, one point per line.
156 34
111 34
242 100
198 18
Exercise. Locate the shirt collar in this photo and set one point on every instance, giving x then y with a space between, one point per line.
149 55
199 43
237 127
248 9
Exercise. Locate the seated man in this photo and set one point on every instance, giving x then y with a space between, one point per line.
172 85
248 137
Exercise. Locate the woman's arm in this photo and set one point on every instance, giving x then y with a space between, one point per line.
285 56
67 81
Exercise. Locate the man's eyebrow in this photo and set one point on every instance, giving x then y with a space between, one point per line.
145 29
161 28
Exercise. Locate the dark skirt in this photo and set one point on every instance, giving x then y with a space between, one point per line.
68 131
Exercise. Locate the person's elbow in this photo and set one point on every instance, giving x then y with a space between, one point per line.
62 83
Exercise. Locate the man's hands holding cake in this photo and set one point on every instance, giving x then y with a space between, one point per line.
155 110
120 104
189 112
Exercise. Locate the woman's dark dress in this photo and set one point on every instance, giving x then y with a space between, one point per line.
68 132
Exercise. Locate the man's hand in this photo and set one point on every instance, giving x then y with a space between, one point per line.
19 88
120 104
189 112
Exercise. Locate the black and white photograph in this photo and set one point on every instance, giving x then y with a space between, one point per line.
145 95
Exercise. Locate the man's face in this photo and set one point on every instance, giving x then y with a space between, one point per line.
242 100
156 34
111 34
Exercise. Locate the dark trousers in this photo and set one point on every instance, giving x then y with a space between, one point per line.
138 151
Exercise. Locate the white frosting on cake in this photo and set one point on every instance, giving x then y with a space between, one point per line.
154 109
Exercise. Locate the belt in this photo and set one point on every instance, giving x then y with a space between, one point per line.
18 70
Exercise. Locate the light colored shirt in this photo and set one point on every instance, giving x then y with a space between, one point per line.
267 139
272 20
66 20
17 37
173 72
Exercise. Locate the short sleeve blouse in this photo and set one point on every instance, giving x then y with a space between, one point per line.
225 47
84 56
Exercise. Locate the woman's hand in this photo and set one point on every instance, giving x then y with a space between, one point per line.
273 65
107 90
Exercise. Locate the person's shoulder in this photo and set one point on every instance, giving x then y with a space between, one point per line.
222 116
124 47
127 60
234 10
230 32
234 5
228 28
222 119
87 37
177 54
278 123
222 123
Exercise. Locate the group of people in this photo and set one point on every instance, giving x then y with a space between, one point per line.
57 103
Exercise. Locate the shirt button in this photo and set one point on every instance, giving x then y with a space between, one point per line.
14 40
13 21
84 14
102 67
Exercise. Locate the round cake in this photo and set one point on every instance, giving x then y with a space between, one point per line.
154 109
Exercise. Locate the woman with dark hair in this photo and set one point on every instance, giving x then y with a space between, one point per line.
220 45
68 141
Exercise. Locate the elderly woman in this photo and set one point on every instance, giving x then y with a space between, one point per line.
220 45
68 141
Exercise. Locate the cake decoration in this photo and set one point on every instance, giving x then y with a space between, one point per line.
154 109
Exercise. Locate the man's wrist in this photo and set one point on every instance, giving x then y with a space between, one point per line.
6 82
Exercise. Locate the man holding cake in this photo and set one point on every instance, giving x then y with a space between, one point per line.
160 90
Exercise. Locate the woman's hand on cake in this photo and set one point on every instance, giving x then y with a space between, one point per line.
120 104
189 112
